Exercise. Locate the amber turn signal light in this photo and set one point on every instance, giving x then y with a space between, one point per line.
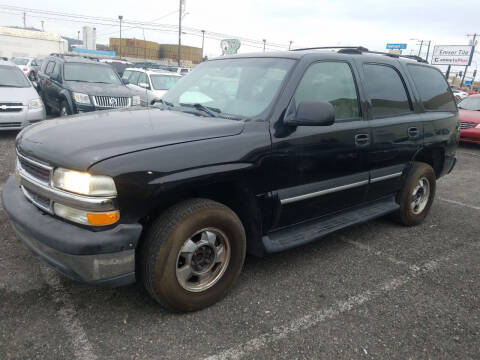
103 219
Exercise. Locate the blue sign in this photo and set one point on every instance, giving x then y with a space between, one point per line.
93 52
468 82
396 46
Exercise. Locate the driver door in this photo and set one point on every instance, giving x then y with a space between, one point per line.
329 162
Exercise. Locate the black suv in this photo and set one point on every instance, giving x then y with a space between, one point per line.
70 85
257 153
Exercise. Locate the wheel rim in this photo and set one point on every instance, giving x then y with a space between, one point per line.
64 111
420 195
203 259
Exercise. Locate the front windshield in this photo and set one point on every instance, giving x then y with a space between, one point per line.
91 73
163 82
470 103
12 77
20 61
242 87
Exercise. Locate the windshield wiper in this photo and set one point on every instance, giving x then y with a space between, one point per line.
213 112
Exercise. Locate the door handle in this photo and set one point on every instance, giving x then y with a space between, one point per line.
362 140
413 132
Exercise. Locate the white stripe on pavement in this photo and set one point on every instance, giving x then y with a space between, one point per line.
460 203
317 317
67 315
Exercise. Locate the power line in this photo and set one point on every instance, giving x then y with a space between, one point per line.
135 24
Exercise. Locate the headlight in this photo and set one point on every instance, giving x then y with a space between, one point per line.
135 100
477 127
35 104
81 98
83 183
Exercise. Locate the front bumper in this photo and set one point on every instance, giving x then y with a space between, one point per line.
18 120
104 257
471 135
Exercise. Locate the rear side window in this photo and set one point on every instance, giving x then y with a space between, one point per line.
126 75
50 67
330 82
432 88
133 79
386 90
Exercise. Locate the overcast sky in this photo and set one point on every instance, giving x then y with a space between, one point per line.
306 22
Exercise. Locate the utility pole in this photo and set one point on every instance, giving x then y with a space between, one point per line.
43 29
264 42
120 17
428 49
473 50
290 46
24 20
180 31
203 41
420 49
78 34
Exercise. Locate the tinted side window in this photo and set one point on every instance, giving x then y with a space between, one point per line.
142 78
50 67
386 90
433 88
330 82
126 75
55 71
133 79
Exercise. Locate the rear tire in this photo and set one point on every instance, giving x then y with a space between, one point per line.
192 254
417 195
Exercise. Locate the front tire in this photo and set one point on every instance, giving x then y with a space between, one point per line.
192 254
417 195
64 109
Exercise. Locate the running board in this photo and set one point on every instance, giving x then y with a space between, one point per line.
312 230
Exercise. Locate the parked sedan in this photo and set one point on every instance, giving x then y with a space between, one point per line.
469 115
29 66
20 104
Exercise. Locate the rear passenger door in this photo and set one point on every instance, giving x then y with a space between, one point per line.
397 130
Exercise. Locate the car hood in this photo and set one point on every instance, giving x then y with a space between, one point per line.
16 95
469 116
78 142
98 89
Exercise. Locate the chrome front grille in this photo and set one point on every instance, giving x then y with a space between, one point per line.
11 107
111 102
466 125
35 169
38 200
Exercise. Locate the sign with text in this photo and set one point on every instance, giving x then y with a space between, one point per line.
455 55
230 46
396 46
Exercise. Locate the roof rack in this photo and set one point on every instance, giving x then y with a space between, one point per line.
94 58
361 50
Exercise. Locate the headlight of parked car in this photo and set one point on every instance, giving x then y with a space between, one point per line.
135 100
83 183
81 98
35 104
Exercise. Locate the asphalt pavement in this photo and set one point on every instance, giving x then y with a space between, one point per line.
378 290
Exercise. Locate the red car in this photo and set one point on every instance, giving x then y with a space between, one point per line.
469 114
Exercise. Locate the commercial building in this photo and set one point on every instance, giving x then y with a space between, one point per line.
30 43
165 53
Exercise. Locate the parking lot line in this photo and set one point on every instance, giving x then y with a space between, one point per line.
460 203
317 317
67 315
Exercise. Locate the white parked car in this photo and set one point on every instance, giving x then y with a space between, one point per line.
459 94
29 66
150 85
20 104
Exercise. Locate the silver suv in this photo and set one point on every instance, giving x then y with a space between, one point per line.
20 104
149 84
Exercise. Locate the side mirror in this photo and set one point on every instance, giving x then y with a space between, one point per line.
144 85
310 113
